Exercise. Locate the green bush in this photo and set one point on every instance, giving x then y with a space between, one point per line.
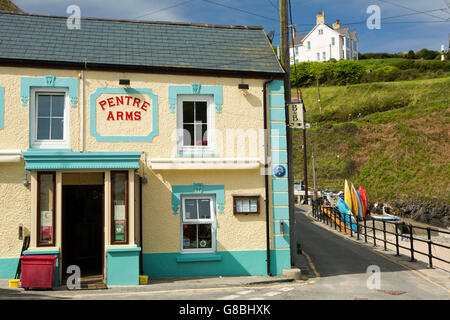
387 73
347 72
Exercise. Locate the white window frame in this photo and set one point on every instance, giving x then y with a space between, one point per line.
333 41
320 32
212 221
318 56
210 117
308 45
49 144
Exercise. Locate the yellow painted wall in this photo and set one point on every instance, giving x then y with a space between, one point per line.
161 226
15 208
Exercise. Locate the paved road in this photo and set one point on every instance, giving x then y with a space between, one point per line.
341 268
339 271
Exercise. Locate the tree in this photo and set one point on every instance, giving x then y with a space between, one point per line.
427 54
411 55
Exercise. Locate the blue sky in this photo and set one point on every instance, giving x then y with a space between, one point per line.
416 31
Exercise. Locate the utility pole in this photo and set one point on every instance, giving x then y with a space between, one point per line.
314 173
318 94
285 62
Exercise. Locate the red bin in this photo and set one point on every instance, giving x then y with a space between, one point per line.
38 271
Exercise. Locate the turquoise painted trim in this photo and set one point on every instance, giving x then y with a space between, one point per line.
277 101
280 259
2 108
233 263
49 81
51 159
279 156
276 86
279 184
281 213
280 199
281 241
51 252
41 252
124 249
98 137
195 88
198 257
277 128
8 267
277 114
277 227
278 143
198 188
122 266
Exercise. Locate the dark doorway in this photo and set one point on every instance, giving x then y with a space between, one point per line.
82 236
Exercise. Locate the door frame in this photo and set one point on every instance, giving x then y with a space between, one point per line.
63 227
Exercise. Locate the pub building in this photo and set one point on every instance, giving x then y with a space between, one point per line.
133 148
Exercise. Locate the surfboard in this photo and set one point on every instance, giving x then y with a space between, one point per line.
347 215
364 201
355 207
360 205
348 195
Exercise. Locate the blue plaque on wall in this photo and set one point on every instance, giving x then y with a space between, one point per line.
279 171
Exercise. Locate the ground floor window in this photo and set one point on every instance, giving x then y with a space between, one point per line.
46 209
119 212
198 224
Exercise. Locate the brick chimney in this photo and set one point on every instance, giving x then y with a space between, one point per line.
337 25
320 17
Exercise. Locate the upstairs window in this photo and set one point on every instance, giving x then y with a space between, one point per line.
309 45
49 119
320 32
333 42
195 124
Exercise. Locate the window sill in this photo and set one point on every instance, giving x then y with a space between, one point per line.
198 257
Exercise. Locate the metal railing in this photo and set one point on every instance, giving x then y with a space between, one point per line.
367 228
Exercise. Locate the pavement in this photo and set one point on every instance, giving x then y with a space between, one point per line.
333 266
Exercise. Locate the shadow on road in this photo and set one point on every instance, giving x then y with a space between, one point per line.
333 255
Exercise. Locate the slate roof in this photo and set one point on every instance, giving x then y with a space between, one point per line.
139 44
298 40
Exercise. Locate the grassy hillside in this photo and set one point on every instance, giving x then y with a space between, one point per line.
397 149
7 5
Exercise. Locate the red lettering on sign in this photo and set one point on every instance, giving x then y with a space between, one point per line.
137 115
110 116
129 115
102 104
119 115
136 101
110 102
119 99
128 100
145 105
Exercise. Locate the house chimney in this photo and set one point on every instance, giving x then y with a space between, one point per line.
337 25
320 17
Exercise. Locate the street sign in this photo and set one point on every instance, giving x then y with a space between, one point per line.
296 116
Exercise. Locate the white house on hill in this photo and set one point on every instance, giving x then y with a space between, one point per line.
323 43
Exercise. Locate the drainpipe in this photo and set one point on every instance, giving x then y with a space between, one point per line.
266 173
141 264
82 111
